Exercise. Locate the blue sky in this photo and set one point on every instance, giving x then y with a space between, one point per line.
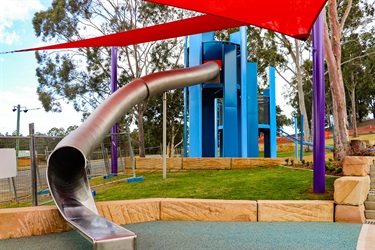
18 82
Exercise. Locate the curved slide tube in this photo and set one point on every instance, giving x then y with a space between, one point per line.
66 169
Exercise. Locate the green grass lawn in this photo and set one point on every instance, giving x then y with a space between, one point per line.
262 183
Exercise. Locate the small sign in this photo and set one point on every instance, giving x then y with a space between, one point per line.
8 163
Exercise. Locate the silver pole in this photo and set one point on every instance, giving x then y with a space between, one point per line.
164 135
33 166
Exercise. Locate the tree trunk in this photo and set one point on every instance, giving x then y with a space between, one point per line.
171 152
140 130
354 113
333 58
301 95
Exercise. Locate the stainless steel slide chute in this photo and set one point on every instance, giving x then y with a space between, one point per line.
66 169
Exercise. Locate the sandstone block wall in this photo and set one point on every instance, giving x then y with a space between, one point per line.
238 163
21 222
295 211
206 163
179 163
157 163
208 210
350 214
351 191
130 211
357 165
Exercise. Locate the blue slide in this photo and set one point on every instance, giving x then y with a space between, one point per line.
294 139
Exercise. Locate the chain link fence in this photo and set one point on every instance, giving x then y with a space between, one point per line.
19 188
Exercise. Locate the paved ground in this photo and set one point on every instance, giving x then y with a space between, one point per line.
212 235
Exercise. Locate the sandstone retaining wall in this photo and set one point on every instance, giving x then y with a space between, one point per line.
179 163
21 222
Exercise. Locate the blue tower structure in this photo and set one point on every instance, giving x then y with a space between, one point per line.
221 116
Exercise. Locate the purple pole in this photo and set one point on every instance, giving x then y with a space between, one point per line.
114 128
318 104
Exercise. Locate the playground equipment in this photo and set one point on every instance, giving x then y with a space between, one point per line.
66 170
224 118
67 177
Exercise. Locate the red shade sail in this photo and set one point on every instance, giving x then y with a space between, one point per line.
291 17
179 28
294 18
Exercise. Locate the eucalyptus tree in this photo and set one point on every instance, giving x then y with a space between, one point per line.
82 76
358 55
342 20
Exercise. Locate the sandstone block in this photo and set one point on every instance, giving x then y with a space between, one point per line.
350 214
21 222
206 163
157 163
351 190
355 160
130 211
356 165
370 160
356 170
238 163
369 143
295 211
208 210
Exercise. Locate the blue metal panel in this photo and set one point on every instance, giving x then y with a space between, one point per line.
249 147
208 126
208 36
230 129
195 95
252 110
212 50
195 99
216 125
272 95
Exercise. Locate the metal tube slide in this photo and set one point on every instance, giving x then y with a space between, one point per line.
66 168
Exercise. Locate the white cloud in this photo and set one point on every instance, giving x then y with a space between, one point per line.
12 11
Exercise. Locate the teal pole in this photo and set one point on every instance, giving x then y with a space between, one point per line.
296 134
302 135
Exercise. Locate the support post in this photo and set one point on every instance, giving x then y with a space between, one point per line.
114 130
18 133
244 104
33 166
318 104
186 103
296 134
164 135
272 114
302 137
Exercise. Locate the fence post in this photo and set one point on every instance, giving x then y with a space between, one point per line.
33 166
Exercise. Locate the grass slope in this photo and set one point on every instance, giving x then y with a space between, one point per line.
262 183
